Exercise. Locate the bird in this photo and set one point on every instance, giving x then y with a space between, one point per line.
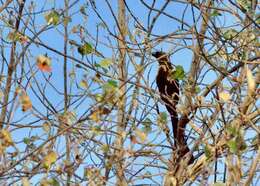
169 90
168 87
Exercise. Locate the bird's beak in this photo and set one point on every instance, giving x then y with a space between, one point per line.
154 54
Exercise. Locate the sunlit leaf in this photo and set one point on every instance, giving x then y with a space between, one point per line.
6 138
85 49
26 141
105 63
83 84
105 148
142 136
113 83
54 182
215 13
99 97
95 116
230 34
52 17
233 146
49 159
207 151
97 113
66 20
250 81
25 102
162 118
44 63
197 89
224 96
246 4
49 182
178 73
219 184
25 181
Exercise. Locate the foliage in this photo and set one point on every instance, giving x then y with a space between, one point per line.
79 103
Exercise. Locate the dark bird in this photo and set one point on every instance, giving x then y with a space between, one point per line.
168 87
169 93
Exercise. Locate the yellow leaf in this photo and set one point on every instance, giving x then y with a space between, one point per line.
83 84
141 135
95 116
25 102
224 96
25 181
250 81
6 138
49 159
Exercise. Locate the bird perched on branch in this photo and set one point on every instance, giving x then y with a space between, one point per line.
168 87
169 93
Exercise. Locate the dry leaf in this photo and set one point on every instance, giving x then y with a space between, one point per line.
44 63
133 139
25 102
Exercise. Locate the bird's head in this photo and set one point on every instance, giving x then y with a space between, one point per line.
162 57
158 54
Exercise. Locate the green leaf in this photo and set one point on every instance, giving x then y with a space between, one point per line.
233 146
52 18
54 182
246 4
162 118
27 141
230 34
215 13
83 84
178 73
233 131
112 83
197 89
85 49
97 65
98 97
207 152
105 148
105 63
